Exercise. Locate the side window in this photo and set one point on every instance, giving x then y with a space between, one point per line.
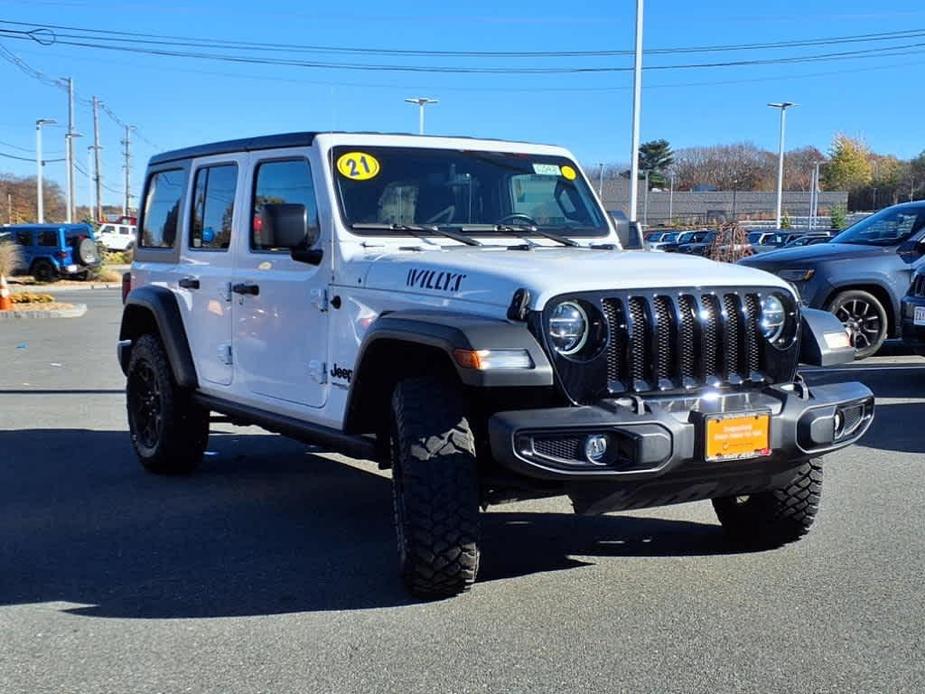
162 209
125 231
24 238
213 207
278 183
48 238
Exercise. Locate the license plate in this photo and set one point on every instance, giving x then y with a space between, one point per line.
919 318
737 436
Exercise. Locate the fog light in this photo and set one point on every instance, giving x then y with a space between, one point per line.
596 448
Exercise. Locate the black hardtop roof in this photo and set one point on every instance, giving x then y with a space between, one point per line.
250 144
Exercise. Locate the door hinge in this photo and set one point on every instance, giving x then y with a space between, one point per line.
318 370
224 354
320 299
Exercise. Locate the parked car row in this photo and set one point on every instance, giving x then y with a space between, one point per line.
862 276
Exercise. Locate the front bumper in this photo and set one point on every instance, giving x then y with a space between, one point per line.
662 438
913 335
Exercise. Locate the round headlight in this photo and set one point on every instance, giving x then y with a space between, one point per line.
568 328
773 318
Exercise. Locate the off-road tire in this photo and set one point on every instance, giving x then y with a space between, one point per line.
435 488
176 441
87 252
842 305
775 517
43 271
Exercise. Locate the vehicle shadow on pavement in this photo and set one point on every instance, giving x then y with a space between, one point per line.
886 382
264 527
897 427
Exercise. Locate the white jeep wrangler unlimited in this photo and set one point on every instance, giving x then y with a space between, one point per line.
462 312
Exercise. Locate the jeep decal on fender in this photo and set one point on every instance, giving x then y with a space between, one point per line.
433 279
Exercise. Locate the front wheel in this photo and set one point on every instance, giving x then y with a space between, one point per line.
773 518
435 488
864 317
169 432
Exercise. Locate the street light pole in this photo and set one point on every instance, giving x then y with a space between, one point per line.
421 102
39 201
670 197
645 204
637 100
600 182
783 106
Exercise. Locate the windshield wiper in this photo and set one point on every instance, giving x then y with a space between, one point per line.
419 230
514 228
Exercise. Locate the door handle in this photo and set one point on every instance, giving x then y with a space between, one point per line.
246 288
189 282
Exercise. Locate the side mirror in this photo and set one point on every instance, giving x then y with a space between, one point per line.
285 225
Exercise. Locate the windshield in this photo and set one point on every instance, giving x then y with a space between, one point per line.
889 227
393 187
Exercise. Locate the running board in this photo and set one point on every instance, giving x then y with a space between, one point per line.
326 437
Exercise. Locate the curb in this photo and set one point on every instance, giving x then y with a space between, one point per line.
76 312
54 289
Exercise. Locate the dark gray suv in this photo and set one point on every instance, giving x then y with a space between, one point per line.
861 275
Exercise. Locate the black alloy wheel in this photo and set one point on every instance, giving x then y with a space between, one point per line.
145 404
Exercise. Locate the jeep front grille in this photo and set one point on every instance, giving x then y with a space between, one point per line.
682 340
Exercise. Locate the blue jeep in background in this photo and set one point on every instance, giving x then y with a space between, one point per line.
52 251
860 275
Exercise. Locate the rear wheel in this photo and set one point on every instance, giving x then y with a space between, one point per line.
775 517
865 319
44 271
435 488
169 432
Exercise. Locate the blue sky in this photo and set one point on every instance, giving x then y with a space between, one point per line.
177 102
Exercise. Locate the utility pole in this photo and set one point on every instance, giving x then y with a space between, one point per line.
670 197
39 165
783 106
69 149
600 182
637 100
421 102
97 182
9 208
645 204
127 153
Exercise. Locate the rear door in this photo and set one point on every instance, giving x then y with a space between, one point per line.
206 265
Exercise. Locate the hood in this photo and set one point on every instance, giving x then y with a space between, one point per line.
817 253
492 276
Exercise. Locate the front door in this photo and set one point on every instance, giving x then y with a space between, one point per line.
207 265
280 318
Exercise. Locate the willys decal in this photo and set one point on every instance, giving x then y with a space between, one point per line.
439 280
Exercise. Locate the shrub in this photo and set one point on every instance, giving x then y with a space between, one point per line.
839 217
31 298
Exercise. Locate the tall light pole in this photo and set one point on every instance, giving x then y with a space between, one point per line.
814 198
40 202
421 102
637 100
783 106
670 197
69 138
600 181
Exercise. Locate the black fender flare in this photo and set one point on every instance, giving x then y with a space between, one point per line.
449 331
161 305
442 332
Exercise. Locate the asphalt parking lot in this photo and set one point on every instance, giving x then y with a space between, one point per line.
273 570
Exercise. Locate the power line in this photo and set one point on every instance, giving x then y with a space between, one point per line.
178 40
29 159
11 57
904 49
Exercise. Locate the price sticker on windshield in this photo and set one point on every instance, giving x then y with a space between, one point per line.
547 169
358 166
